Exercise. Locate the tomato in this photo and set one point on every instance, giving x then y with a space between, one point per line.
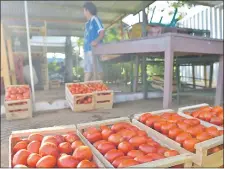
83 153
189 144
205 108
216 120
166 127
92 130
65 147
182 136
48 161
203 136
86 164
183 126
125 147
208 116
194 131
96 144
141 133
49 149
146 148
106 133
162 150
151 120
200 127
103 127
155 156
49 139
115 139
171 153
20 145
175 118
71 137
105 147
158 124
32 160
192 122
135 153
118 126
217 109
33 146
153 143
213 131
136 141
20 166
20 157
67 161
143 159
118 160
93 137
144 117
166 115
174 132
15 140
76 144
195 114
127 134
113 154
127 163
59 139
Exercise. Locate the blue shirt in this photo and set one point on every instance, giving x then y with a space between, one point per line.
92 29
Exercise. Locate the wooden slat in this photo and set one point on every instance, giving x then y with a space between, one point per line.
11 61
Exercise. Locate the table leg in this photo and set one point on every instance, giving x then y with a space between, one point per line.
145 85
220 83
193 75
211 75
178 82
136 73
168 78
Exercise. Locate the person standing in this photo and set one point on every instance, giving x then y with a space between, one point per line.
93 35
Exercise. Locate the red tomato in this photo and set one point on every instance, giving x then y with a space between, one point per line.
106 133
182 136
125 147
217 109
174 132
127 134
105 147
136 141
135 153
115 139
113 154
118 160
76 144
33 159
192 122
93 137
189 144
67 161
48 161
195 114
166 127
153 143
143 159
171 153
65 147
166 115
158 124
146 148
216 120
194 131
33 146
49 139
87 164
213 131
162 150
128 163
15 140
92 130
20 145
155 156
208 116
59 139
20 157
96 144
118 126
183 126
71 137
141 133
83 153
203 136
151 120
144 117
103 127
49 149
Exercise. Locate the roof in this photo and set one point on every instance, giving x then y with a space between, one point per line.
65 18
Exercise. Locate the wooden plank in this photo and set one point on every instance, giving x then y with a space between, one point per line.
193 75
145 84
211 75
205 76
136 73
220 82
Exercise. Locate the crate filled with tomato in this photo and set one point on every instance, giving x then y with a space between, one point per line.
204 112
79 97
204 140
103 95
118 143
52 147
17 103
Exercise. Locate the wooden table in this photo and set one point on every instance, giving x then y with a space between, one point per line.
171 44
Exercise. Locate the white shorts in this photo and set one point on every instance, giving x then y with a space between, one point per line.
88 63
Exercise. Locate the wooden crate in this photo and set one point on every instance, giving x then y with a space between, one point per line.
54 84
72 100
46 131
200 158
18 109
185 157
103 99
190 109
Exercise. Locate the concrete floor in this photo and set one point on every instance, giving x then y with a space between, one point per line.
66 117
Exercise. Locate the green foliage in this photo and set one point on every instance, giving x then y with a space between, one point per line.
78 73
53 67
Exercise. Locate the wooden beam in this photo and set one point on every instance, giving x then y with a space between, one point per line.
211 75
136 73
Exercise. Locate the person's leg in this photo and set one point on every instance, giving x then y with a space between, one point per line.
87 67
100 74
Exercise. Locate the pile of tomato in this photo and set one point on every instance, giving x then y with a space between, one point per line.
17 93
78 88
97 86
213 115
187 132
59 151
125 145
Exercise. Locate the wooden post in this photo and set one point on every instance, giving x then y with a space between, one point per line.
136 74
178 82
4 61
211 76
131 74
11 61
220 82
193 75
205 76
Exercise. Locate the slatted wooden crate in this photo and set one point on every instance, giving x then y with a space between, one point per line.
190 109
54 84
62 130
200 157
18 109
103 99
73 99
185 157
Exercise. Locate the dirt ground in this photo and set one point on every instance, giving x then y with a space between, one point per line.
66 117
